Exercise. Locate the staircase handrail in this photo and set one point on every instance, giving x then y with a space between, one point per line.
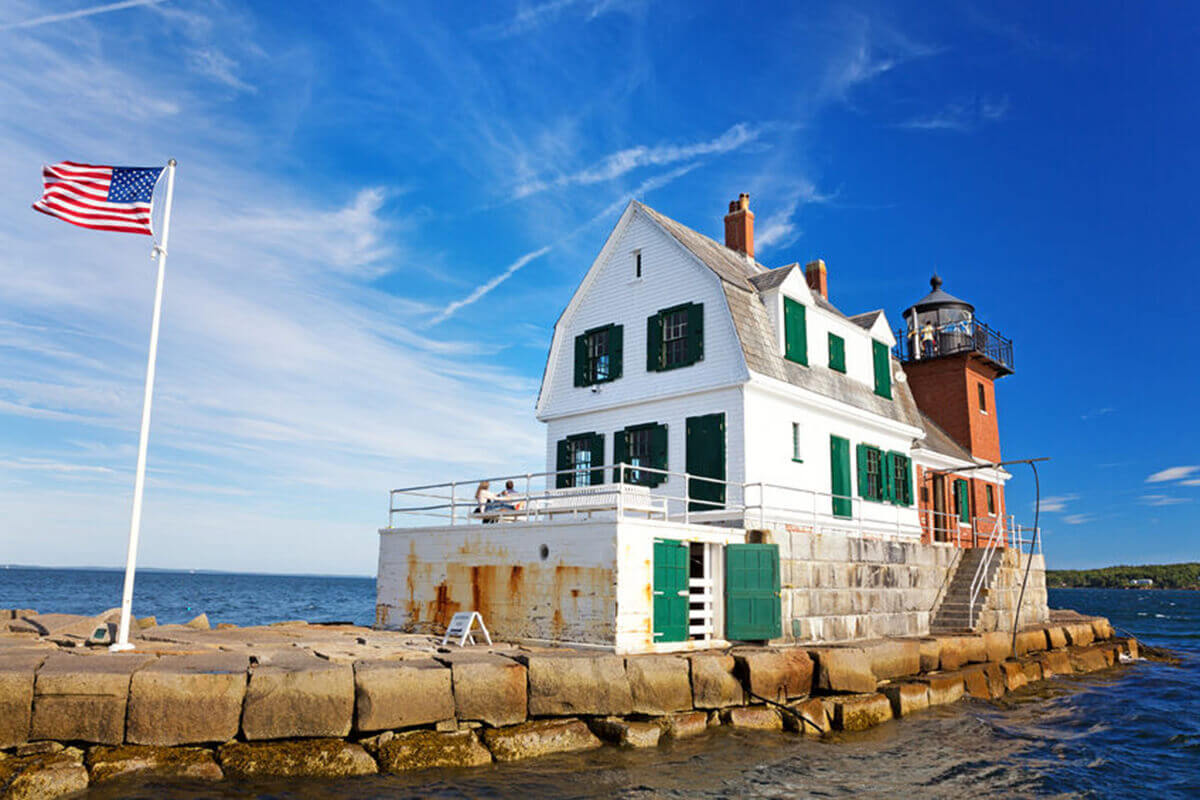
980 579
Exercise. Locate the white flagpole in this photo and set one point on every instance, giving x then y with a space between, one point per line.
135 521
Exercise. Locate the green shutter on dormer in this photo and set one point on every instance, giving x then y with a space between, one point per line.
581 360
616 351
883 369
695 332
837 353
795 332
654 334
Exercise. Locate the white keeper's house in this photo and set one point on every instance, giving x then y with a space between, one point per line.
729 457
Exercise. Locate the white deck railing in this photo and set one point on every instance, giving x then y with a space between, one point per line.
675 499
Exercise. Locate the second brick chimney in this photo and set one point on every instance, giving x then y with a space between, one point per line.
817 277
739 226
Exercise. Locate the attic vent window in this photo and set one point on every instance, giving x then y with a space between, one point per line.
637 263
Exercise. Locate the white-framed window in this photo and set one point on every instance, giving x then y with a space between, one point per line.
797 448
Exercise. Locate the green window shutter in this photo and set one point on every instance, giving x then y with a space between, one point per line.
616 350
654 333
837 353
658 454
695 332
581 360
887 479
883 370
619 455
795 332
864 481
563 479
839 458
962 490
901 464
597 448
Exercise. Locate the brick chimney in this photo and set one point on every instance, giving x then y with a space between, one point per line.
739 226
818 279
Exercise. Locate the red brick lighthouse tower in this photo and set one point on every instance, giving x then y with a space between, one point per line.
952 361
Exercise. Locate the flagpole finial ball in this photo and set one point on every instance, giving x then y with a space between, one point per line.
171 162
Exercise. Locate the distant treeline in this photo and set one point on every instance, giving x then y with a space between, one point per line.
1165 576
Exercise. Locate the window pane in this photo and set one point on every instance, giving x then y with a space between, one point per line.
597 347
581 461
796 441
675 338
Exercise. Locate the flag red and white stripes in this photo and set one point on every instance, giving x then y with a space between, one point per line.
99 197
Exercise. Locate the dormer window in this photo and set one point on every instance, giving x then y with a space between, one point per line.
598 355
795 332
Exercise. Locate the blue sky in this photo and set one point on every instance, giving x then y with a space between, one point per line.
382 208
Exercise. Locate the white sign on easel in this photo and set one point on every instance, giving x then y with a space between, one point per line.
460 628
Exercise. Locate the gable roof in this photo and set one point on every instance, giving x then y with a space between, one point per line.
939 441
742 278
867 320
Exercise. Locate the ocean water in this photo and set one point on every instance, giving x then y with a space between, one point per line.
1125 732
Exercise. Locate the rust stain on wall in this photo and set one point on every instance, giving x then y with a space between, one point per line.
514 579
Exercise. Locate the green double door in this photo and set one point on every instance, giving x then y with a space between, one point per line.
706 458
670 591
753 610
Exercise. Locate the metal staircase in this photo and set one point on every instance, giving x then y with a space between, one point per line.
968 591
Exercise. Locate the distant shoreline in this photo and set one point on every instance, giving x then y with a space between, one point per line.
1146 576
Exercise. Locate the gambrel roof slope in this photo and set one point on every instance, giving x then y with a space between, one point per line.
742 280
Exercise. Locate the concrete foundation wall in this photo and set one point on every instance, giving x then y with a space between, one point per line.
997 614
528 581
840 588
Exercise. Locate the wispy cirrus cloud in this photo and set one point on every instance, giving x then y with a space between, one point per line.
1172 474
623 161
961 117
1058 502
1077 519
77 14
479 291
531 17
1097 412
1163 500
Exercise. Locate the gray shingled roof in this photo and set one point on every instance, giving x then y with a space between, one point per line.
742 280
866 320
937 440
765 281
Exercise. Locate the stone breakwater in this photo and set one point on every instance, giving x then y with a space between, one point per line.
300 700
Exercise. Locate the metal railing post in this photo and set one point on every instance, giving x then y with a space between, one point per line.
453 504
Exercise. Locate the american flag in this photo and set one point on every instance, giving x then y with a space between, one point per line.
97 197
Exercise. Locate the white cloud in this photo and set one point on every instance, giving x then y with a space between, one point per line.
1058 502
779 229
482 289
1190 482
214 64
78 14
1077 519
532 17
1098 412
962 117
619 163
1163 500
1172 474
